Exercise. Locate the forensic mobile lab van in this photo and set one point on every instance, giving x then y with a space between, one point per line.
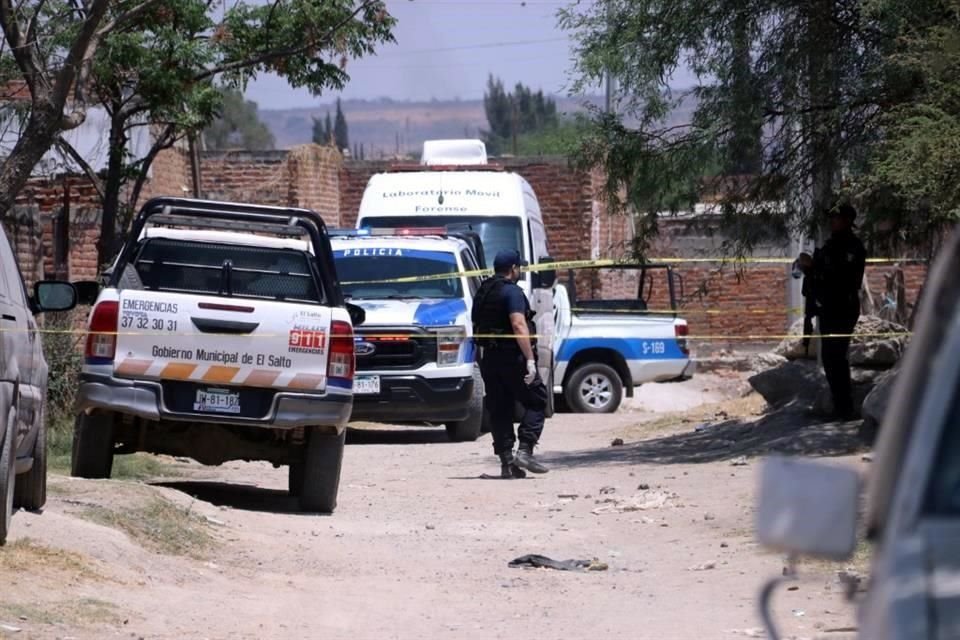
415 358
455 186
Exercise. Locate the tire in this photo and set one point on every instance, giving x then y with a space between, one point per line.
469 429
31 487
594 388
323 457
92 446
7 475
295 476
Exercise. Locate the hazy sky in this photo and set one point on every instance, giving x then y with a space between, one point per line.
445 49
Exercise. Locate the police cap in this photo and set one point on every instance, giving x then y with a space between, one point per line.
508 258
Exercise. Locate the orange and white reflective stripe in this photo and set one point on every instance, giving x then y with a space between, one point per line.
221 374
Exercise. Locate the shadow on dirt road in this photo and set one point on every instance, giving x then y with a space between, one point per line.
789 433
244 497
414 435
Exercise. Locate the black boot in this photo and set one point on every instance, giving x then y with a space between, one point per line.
525 460
509 468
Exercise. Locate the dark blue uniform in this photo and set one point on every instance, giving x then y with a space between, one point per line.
503 365
834 296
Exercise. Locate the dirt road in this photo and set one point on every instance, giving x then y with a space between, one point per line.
419 545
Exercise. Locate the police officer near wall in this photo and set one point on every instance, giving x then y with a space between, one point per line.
832 282
508 363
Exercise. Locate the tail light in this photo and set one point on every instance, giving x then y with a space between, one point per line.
341 364
449 344
102 337
682 331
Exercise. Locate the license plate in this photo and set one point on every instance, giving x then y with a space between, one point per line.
217 401
366 385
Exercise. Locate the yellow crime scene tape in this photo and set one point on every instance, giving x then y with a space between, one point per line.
610 262
496 336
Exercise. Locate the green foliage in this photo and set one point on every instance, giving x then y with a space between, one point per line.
521 112
238 126
807 74
340 130
61 350
322 130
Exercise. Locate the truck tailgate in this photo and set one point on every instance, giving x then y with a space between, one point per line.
222 341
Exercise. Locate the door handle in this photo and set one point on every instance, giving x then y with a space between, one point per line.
8 317
211 325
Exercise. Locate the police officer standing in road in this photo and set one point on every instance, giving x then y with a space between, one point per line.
508 363
832 285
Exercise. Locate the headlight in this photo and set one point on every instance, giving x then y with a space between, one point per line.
450 342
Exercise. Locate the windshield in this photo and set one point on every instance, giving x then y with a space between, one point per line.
498 233
362 270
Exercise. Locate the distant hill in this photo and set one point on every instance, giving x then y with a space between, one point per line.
383 125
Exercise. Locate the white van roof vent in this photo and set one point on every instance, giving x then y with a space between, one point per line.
453 152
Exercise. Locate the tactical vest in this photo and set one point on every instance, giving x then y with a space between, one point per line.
490 317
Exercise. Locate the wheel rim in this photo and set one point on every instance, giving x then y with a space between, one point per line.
596 391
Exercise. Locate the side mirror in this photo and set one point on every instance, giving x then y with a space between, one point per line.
545 278
808 508
52 295
87 291
357 314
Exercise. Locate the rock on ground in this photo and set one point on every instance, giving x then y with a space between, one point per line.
875 404
866 350
801 384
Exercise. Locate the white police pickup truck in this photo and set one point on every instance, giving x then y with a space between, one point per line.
416 362
605 348
221 334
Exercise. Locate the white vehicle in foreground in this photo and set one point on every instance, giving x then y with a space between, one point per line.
605 348
221 335
416 362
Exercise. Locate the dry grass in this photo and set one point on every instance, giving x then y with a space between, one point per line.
136 466
158 525
25 555
669 423
75 613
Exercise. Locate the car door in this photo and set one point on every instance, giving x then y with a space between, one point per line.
18 324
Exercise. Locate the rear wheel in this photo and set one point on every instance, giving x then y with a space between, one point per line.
470 429
594 388
31 487
92 446
295 476
323 457
7 475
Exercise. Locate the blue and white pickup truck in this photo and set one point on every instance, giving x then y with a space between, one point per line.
605 348
416 363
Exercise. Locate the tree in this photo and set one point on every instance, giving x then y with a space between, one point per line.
237 125
340 129
809 74
322 130
47 47
155 65
515 113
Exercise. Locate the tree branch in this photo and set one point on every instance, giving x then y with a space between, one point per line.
67 149
164 141
126 17
80 52
13 34
274 54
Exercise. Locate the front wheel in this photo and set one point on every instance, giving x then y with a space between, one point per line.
469 429
322 460
7 475
92 455
31 488
594 388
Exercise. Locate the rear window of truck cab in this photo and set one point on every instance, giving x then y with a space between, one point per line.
186 266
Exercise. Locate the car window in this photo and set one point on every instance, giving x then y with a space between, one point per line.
229 270
943 496
362 273
11 289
